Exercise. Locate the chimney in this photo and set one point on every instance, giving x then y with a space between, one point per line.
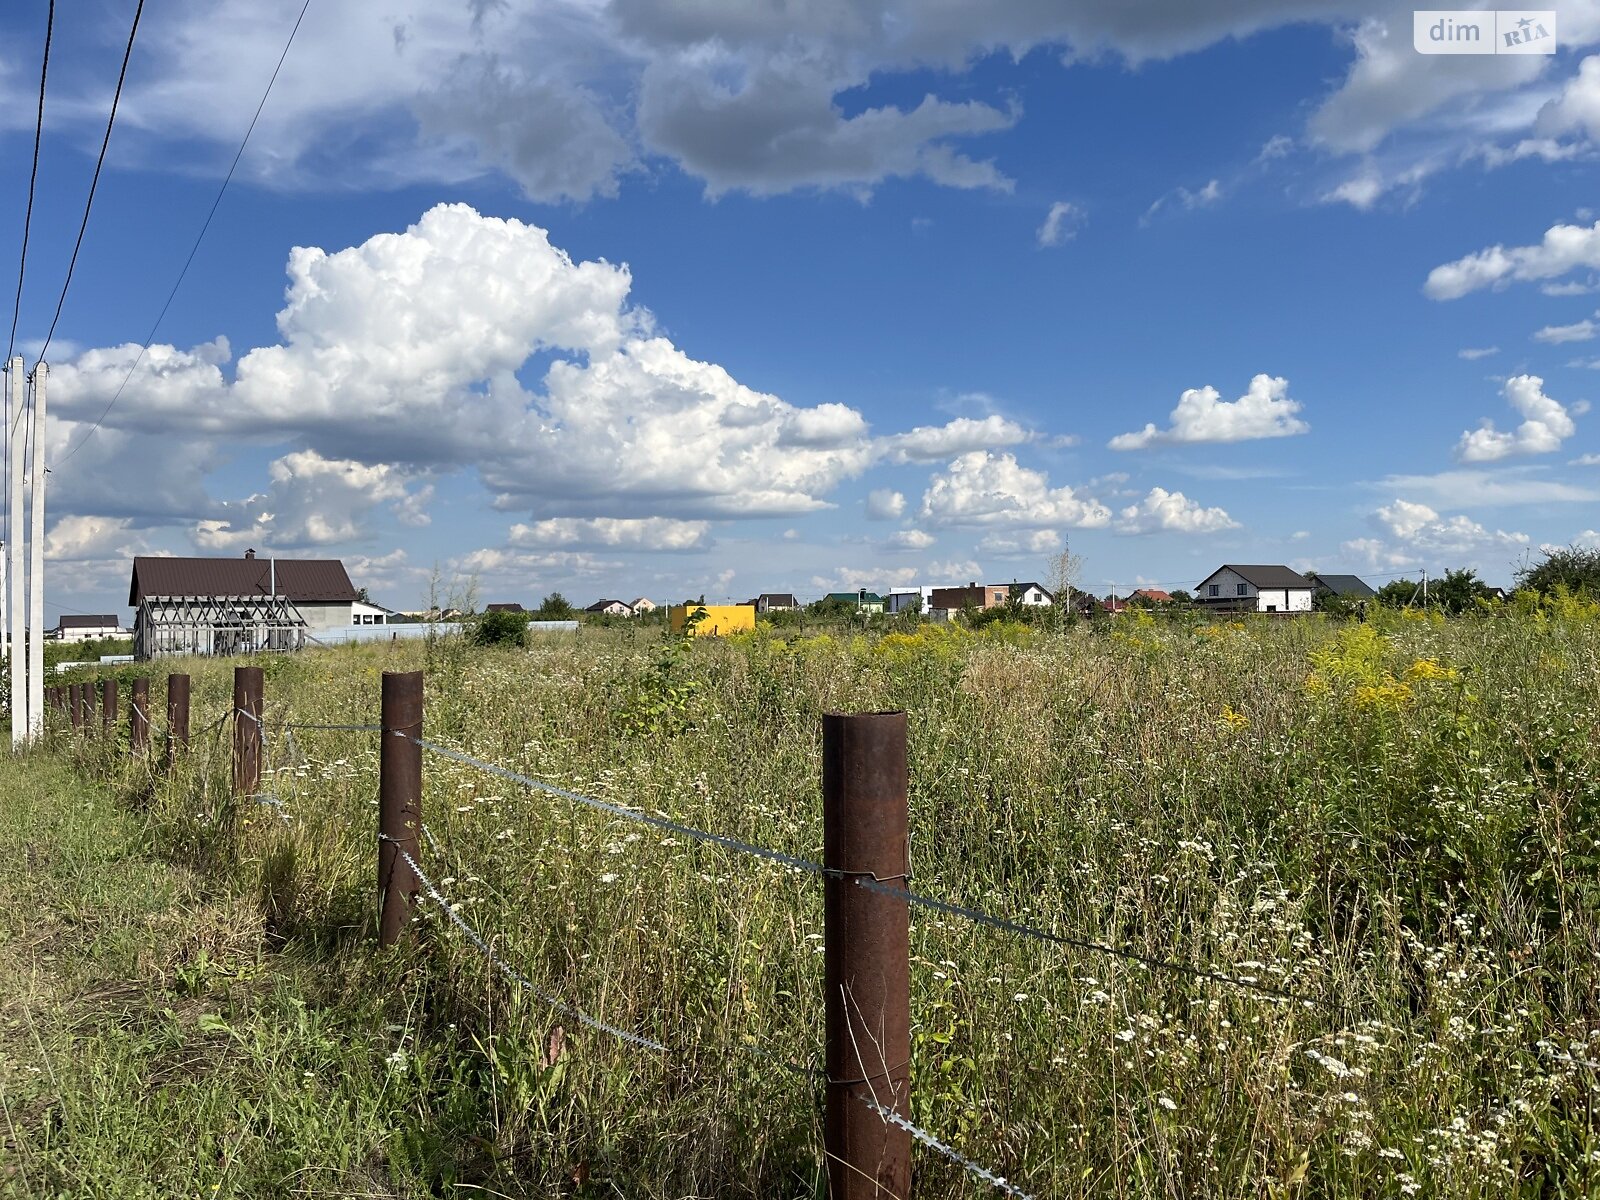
250 553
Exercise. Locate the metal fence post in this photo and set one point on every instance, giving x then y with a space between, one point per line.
866 963
89 710
139 718
76 691
247 689
399 801
108 706
177 717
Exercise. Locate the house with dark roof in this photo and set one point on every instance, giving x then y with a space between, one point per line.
1269 588
1347 587
774 602
86 627
236 605
610 608
512 607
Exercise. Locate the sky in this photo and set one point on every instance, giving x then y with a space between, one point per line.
717 297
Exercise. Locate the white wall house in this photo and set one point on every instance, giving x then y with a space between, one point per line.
1255 588
363 612
1036 595
86 628
903 599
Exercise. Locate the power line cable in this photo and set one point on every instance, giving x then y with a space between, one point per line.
33 178
22 263
94 183
194 249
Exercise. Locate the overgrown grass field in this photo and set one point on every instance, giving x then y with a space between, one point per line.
1396 822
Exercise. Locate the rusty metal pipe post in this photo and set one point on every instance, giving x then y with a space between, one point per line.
109 703
90 707
177 718
247 690
867 956
76 692
399 801
139 718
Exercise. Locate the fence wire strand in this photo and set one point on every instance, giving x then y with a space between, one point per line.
511 974
927 1139
977 916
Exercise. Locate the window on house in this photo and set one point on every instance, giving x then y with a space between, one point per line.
1241 589
1272 608
1214 589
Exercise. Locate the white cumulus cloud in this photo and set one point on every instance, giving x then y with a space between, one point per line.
981 489
931 443
885 504
1265 411
1564 248
1163 511
1546 426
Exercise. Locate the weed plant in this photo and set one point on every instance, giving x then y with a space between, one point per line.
1396 822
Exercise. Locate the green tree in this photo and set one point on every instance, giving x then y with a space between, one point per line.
1458 591
555 607
1398 593
1577 568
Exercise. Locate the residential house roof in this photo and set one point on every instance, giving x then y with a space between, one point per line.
1343 585
1155 594
88 621
299 580
1035 584
511 607
1264 575
856 597
1114 605
603 604
776 600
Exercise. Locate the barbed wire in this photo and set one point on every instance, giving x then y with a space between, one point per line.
1044 935
510 973
150 722
870 882
927 1139
307 725
617 810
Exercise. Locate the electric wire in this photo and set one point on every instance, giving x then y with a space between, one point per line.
194 249
33 177
94 183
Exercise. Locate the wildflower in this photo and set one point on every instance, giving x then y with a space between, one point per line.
1233 719
609 877
1427 668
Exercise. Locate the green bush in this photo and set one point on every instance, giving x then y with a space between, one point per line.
500 629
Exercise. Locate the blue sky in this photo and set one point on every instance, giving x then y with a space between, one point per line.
617 298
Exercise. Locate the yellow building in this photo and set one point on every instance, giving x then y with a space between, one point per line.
719 619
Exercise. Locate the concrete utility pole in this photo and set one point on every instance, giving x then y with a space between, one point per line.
16 383
5 450
41 372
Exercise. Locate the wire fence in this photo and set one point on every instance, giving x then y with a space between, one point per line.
892 888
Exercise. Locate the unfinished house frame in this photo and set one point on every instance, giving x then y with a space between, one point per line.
168 625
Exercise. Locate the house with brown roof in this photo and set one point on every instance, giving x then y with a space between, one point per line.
1269 588
237 605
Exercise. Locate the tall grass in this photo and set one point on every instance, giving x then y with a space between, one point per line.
1397 821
